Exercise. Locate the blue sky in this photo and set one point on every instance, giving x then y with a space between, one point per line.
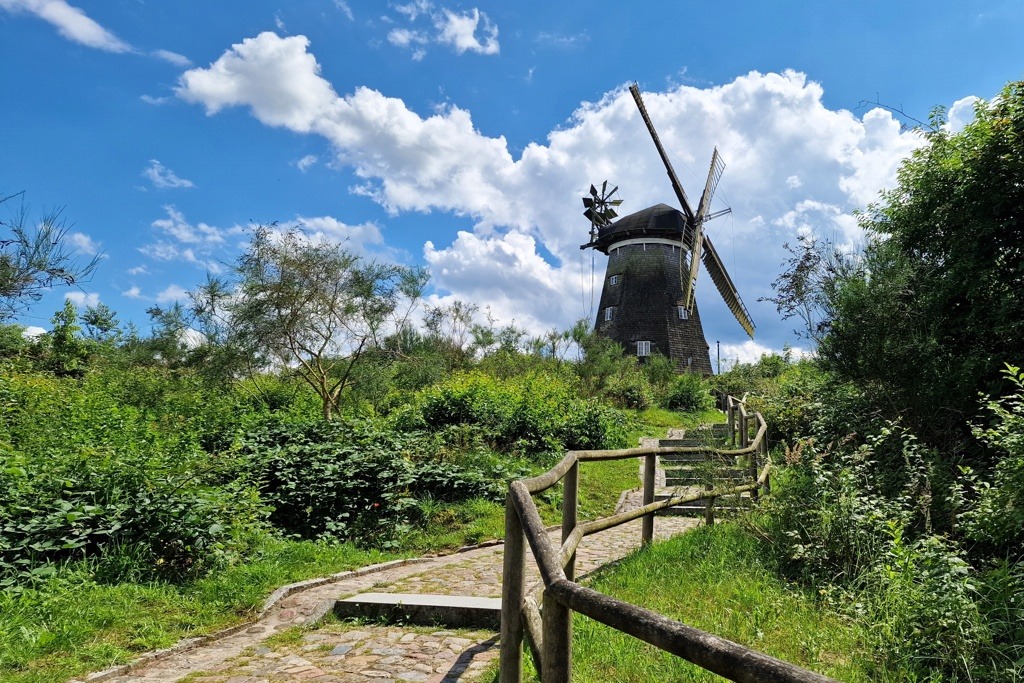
460 136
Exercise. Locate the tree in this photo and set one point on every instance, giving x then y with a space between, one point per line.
927 320
35 258
315 307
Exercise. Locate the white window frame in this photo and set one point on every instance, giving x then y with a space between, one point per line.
683 313
613 279
609 313
643 349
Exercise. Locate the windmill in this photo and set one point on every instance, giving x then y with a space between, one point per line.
648 301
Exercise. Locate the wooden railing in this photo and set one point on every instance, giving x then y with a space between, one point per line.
543 613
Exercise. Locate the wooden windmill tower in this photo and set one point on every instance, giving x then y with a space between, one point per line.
648 302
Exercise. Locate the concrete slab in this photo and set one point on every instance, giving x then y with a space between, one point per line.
456 611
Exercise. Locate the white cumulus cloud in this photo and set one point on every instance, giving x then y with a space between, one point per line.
83 299
83 243
471 31
793 165
961 113
172 293
71 22
179 240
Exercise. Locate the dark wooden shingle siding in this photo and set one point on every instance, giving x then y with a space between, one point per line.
646 303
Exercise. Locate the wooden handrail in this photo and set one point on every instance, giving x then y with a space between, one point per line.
548 629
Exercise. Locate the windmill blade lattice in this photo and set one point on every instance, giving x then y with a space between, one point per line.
600 207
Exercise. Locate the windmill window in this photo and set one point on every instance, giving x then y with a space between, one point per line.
613 280
609 312
683 313
643 349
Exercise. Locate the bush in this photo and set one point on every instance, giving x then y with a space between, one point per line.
83 476
998 518
353 480
628 389
689 393
532 414
592 425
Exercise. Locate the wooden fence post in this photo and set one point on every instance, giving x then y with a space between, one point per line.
647 525
730 416
513 592
557 657
570 511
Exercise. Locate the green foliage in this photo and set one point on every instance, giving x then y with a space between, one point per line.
352 480
689 393
937 302
628 388
855 520
920 600
532 414
34 257
84 476
998 517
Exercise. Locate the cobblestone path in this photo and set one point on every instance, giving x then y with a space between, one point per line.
273 650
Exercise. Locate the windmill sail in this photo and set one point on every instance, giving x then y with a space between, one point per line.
714 175
716 269
680 192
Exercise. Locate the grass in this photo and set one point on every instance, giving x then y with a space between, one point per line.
71 624
714 579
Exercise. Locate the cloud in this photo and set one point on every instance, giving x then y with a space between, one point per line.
459 30
771 129
138 270
751 352
172 293
71 22
364 239
132 292
83 299
83 243
470 31
961 113
156 101
32 332
305 162
345 9
172 58
415 9
180 240
163 177
563 41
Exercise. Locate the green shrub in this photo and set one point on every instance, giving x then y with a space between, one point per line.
82 475
998 518
628 389
353 480
593 425
689 393
532 414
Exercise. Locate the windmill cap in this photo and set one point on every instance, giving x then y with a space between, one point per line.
660 220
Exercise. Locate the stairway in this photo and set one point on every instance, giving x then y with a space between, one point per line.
695 471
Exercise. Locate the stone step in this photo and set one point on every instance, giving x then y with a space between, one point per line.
693 443
727 504
695 458
694 510
455 611
690 480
